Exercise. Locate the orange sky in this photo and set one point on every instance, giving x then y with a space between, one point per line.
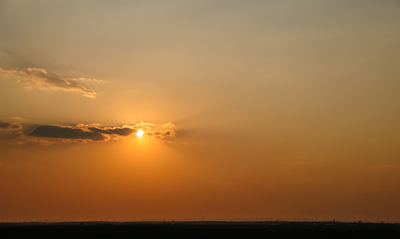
250 110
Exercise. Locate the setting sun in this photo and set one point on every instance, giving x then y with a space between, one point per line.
139 133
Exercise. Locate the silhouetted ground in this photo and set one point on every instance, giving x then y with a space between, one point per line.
273 229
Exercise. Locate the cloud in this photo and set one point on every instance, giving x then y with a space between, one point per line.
85 133
40 79
84 79
167 131
9 126
161 134
17 118
65 132
168 126
82 133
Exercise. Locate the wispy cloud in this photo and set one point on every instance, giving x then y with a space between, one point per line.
84 79
41 79
16 118
167 131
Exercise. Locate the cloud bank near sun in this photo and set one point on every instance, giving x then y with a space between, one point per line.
39 78
86 133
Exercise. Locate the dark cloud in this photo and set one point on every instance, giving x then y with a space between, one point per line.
62 132
80 132
39 78
9 126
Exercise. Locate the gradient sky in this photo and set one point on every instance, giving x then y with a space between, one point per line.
251 110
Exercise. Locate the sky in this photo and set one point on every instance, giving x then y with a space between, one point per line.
251 110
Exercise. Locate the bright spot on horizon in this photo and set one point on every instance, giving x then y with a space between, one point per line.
139 133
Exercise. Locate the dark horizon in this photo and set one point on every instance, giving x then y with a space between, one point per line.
205 229
198 220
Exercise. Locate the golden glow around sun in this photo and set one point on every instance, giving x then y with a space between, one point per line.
139 133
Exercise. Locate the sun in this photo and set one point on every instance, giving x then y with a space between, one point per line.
139 133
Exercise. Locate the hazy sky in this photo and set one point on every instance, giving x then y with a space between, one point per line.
251 110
